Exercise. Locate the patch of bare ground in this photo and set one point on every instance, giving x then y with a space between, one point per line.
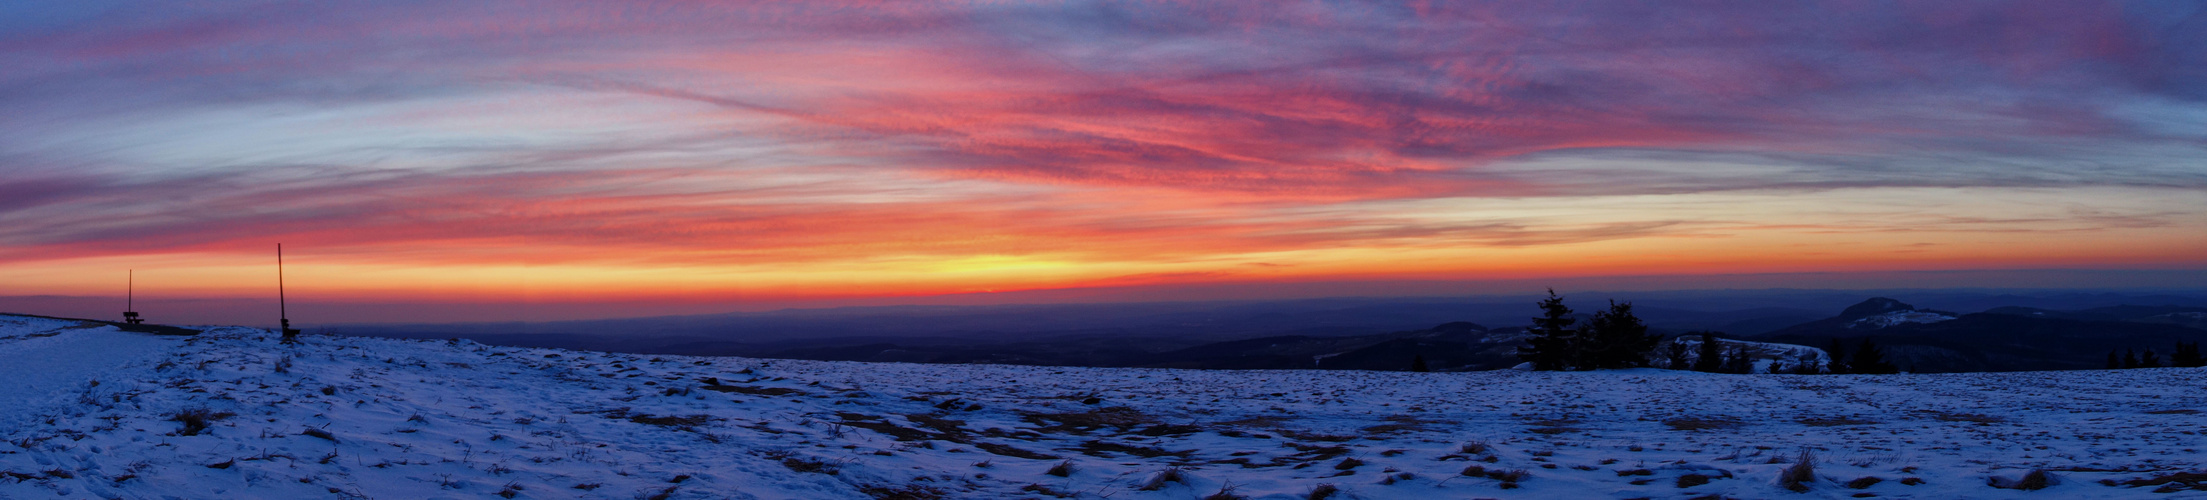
1834 421
1265 421
1014 452
1403 423
1120 417
1103 449
1702 424
2036 479
2166 483
1951 416
1314 436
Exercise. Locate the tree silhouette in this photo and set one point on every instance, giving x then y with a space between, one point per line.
1675 356
2114 361
1555 345
1838 353
2149 360
1739 362
1805 366
2187 356
1617 339
1711 357
2130 358
1870 359
1417 364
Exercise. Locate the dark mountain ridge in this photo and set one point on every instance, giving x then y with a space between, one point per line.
2001 339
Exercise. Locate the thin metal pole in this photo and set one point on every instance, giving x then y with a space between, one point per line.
281 311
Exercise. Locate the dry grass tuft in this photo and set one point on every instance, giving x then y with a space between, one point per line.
1121 417
196 420
1169 475
1062 469
2037 479
1225 492
1798 476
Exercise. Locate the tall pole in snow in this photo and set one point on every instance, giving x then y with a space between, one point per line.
282 311
130 299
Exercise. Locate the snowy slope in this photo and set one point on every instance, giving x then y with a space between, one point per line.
413 419
43 366
1765 354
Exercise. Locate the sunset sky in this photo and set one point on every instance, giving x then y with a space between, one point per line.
735 156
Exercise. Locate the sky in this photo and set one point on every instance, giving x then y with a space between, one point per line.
612 158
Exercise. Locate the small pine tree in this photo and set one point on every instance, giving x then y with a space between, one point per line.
1616 339
1838 353
2114 361
1555 344
1739 362
2187 356
1869 359
1806 365
2149 360
1711 357
2130 358
1417 364
1674 357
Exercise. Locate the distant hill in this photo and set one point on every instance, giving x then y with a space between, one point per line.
2194 317
1454 346
2001 339
1448 347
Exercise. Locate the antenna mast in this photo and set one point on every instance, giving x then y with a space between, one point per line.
130 299
283 312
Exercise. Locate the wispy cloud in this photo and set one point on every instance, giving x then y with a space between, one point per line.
1148 139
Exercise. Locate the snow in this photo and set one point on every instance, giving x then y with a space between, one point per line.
45 368
429 419
1897 318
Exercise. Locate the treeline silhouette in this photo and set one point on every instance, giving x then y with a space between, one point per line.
1614 338
2186 356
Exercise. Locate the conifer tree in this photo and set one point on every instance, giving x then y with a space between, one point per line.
1616 339
1555 344
2149 360
1711 357
1806 365
1869 359
1739 362
2187 356
2113 361
1417 364
1838 353
2130 358
1675 355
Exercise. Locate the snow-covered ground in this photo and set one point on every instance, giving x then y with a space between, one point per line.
412 419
